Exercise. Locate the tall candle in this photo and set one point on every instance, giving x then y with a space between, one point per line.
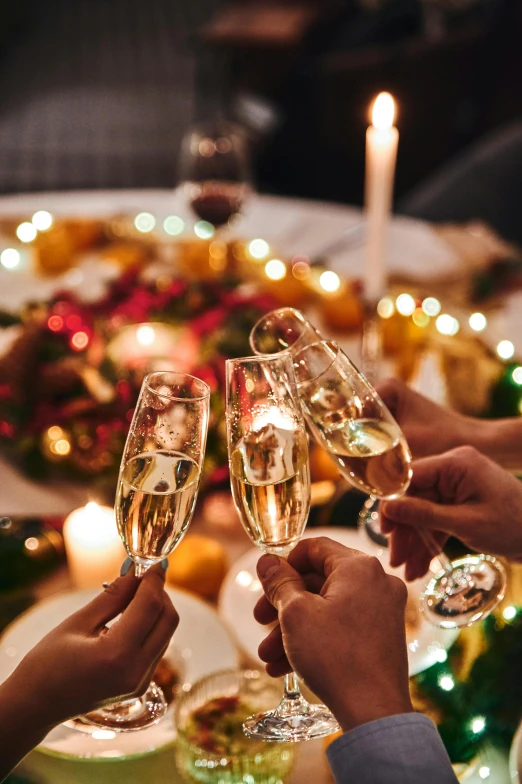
94 549
381 152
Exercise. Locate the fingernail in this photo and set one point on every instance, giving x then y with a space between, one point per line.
126 565
165 564
267 564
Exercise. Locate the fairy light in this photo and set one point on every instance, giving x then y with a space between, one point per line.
26 232
275 269
301 270
478 725
31 543
446 682
61 447
10 258
431 306
79 340
204 230
505 349
419 318
145 335
55 323
330 281
42 220
405 304
386 308
55 432
478 322
173 225
447 325
484 772
508 613
258 249
144 222
517 375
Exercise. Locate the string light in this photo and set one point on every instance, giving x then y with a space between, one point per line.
508 613
386 308
447 325
144 222
446 682
204 230
275 269
173 225
478 725
330 281
42 220
79 341
26 232
405 304
258 249
517 376
478 322
484 772
505 349
419 318
431 306
10 258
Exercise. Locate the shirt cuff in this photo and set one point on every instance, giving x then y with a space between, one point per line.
406 748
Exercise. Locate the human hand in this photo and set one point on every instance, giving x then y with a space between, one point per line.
81 664
429 428
462 493
341 628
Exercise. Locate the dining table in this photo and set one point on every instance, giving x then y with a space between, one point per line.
334 233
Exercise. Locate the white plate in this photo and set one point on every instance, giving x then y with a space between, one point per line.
200 645
241 590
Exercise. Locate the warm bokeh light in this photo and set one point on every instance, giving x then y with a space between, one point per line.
517 376
383 112
145 335
61 447
505 349
55 432
55 323
431 306
386 308
144 222
405 304
478 724
26 232
258 249
301 270
10 258
330 281
447 325
79 340
173 225
446 682
508 613
419 318
275 269
204 230
31 543
478 322
42 220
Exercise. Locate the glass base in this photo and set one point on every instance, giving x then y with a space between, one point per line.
315 722
474 588
369 523
130 715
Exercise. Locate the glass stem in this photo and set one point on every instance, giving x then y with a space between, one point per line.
457 578
139 569
293 702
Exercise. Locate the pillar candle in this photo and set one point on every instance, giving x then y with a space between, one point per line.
94 549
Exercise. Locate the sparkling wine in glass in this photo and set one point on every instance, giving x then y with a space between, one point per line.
215 171
155 499
347 417
270 480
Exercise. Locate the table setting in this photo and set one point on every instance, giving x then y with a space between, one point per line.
128 395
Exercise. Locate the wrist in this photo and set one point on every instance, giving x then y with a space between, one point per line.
499 439
361 709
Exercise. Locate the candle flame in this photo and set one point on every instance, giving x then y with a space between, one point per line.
383 112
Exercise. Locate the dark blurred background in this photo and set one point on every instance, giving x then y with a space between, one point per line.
98 93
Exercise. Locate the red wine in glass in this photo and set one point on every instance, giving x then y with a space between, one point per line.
217 202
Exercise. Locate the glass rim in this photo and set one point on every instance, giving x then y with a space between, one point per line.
279 356
327 344
270 313
195 398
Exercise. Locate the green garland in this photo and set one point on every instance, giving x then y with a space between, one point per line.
487 705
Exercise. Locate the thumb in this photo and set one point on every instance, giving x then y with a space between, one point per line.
420 513
280 581
107 605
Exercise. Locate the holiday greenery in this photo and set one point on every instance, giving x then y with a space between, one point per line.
66 400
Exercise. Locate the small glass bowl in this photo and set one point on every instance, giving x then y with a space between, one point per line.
268 763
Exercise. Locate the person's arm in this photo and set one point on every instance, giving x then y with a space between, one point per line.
431 429
83 663
341 628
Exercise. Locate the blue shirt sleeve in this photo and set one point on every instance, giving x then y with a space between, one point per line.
403 749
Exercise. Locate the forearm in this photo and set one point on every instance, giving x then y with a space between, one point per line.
21 726
500 440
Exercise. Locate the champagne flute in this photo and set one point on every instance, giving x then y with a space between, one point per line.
155 499
270 479
215 171
348 418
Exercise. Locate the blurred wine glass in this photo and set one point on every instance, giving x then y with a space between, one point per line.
215 171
